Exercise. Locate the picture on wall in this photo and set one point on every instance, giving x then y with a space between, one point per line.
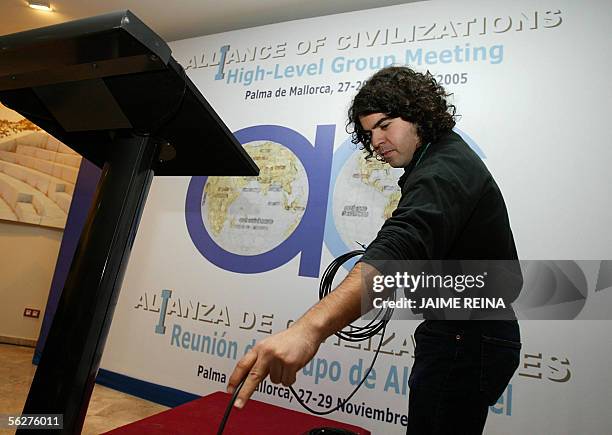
37 173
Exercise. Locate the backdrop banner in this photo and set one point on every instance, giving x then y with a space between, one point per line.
220 263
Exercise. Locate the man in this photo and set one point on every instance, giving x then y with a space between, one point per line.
450 208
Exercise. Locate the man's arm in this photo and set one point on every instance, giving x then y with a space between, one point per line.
283 354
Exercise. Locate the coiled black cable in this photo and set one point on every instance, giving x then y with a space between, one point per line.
353 334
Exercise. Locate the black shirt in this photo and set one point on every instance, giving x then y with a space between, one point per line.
450 209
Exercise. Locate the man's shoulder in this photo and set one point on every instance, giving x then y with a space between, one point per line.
452 153
454 145
448 161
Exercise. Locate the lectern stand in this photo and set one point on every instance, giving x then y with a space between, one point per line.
107 87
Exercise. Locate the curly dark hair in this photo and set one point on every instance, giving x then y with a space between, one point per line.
398 91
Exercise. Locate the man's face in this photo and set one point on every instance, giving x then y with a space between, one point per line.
394 139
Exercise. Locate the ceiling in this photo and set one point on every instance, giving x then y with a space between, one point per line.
180 19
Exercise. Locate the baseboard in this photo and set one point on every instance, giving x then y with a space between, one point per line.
161 394
17 341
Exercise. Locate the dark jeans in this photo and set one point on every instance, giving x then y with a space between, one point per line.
460 368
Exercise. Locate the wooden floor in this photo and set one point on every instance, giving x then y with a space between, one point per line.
108 408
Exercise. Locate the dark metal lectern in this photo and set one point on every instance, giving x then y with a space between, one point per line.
107 87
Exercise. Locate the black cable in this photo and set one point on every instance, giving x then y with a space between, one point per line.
354 334
160 123
171 114
350 396
229 408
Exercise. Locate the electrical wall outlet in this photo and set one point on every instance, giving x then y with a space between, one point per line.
31 312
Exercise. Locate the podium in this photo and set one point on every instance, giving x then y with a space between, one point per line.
108 88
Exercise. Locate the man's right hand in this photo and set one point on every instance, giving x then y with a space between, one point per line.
280 356
283 354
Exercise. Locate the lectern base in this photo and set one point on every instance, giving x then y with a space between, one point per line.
65 377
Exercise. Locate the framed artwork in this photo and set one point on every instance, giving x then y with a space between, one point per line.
37 173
